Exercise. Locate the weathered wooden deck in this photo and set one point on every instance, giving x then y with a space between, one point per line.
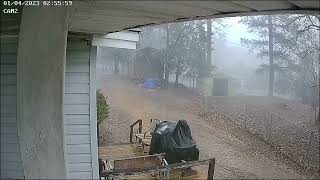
120 151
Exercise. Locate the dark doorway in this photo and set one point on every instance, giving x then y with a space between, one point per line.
220 87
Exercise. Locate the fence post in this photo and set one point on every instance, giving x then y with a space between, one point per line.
308 150
131 133
245 119
140 126
212 163
270 129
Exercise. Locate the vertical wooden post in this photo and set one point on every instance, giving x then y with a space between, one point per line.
270 130
308 150
100 167
140 126
212 163
131 133
139 129
246 117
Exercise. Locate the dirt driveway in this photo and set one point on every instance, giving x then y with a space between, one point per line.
238 154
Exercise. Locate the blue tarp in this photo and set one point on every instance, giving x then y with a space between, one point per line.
151 83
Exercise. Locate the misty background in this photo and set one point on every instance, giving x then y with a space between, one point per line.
232 55
260 73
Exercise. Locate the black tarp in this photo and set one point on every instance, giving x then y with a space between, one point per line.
175 141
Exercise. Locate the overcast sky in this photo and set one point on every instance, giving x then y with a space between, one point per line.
235 31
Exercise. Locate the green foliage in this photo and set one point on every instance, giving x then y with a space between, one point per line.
102 107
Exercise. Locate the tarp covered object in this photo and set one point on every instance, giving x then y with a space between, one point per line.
175 141
151 84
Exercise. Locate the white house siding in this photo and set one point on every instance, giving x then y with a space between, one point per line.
11 166
79 117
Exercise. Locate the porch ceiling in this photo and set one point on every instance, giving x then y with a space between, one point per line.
112 16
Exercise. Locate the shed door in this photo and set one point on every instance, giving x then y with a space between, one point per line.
220 87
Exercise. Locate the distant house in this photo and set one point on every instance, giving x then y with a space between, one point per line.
218 85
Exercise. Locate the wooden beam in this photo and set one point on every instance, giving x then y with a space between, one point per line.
166 168
212 163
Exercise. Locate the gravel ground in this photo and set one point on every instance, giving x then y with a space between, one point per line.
239 154
288 126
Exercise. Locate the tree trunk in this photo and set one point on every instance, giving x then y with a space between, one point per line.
176 82
166 69
192 83
98 134
319 117
116 67
166 76
271 71
178 72
209 33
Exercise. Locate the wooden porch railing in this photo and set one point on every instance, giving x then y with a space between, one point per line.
139 122
166 168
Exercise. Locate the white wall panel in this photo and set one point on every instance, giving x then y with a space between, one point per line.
11 166
77 112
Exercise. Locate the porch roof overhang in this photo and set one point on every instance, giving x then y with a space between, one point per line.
102 17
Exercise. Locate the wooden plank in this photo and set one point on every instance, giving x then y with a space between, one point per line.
77 60
79 148
8 100
93 113
77 78
9 48
77 139
15 174
77 67
8 79
80 175
8 109
115 43
3 174
77 54
8 58
119 151
80 167
15 166
76 109
76 119
212 163
10 157
138 163
9 138
76 99
11 39
77 88
8 69
79 158
9 129
10 148
9 119
77 45
77 129
8 90
170 167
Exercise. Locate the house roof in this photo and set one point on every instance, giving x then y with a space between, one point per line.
111 16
